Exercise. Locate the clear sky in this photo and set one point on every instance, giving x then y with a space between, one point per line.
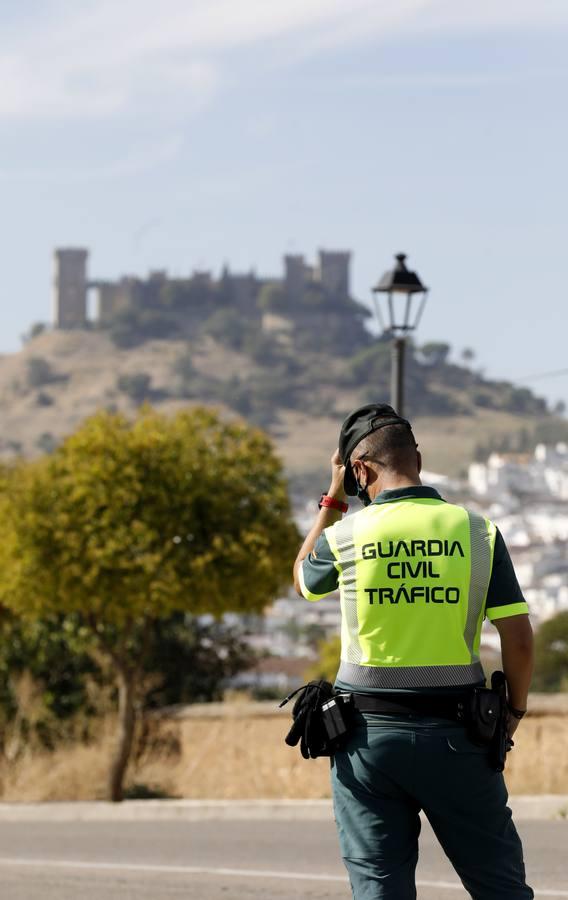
189 133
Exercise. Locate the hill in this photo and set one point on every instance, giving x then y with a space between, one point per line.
299 394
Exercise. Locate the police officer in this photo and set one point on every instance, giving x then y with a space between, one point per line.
417 576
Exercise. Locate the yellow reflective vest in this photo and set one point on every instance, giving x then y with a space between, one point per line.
413 577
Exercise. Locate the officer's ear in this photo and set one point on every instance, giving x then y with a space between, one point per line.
418 460
358 471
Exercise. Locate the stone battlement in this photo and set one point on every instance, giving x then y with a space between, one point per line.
199 294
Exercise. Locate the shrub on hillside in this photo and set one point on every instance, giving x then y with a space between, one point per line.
46 442
39 372
135 385
132 327
33 331
272 298
227 327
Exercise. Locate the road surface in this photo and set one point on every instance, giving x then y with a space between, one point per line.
225 860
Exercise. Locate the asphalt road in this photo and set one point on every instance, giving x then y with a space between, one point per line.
224 860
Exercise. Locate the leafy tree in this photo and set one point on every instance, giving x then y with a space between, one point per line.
190 660
127 523
435 353
551 646
327 663
45 679
52 689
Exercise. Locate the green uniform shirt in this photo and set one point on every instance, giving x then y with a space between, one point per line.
414 641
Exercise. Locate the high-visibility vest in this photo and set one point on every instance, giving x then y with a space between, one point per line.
413 580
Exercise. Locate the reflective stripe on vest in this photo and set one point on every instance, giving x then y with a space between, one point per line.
410 676
413 580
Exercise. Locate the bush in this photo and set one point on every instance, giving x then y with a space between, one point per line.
132 327
34 331
39 372
435 353
551 646
46 442
45 682
183 367
136 386
272 298
227 327
263 348
483 399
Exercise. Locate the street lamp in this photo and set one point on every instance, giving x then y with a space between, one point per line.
405 300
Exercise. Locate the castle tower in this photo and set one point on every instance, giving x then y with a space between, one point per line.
334 272
295 277
70 287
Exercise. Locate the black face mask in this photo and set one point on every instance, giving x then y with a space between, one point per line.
363 494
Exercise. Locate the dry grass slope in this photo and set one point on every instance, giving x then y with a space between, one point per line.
243 758
87 365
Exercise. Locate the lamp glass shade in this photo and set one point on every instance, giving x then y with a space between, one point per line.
399 298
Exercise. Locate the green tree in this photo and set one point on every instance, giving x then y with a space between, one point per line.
127 523
190 660
51 688
327 664
435 353
45 680
551 652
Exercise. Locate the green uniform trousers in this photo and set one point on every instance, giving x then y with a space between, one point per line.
388 772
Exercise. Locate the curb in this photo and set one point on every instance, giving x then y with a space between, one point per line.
538 807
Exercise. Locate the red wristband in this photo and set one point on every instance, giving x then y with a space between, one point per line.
331 503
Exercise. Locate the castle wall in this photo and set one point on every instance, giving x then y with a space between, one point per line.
114 297
197 297
244 291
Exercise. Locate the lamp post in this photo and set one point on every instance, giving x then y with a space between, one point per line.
405 299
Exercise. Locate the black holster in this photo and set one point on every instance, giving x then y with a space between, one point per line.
486 720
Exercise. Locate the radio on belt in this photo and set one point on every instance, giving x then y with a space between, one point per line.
334 715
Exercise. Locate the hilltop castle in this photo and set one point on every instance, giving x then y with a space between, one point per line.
316 296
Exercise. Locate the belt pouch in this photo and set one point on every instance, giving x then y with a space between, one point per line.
482 716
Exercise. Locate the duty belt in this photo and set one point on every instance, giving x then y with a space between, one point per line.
453 707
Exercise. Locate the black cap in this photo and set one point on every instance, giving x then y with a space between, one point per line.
358 424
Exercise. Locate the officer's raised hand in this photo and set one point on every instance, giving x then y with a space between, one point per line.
336 488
